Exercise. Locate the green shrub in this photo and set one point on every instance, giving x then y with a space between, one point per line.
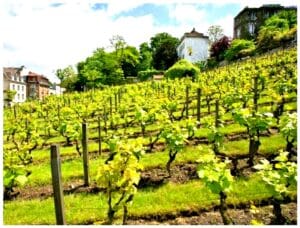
182 68
240 48
277 31
148 74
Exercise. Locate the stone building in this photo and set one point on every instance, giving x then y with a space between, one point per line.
193 47
249 20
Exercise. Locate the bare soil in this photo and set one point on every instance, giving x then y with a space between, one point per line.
263 215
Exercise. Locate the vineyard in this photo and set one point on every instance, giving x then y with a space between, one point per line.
217 149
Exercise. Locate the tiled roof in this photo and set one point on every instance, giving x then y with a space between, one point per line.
193 33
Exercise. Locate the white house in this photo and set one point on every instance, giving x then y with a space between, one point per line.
14 79
193 47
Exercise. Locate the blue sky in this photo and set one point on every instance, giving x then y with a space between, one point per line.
46 35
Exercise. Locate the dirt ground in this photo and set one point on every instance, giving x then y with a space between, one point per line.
264 215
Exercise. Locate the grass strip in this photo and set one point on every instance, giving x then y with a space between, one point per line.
170 198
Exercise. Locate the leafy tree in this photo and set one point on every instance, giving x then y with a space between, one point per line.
9 96
145 58
100 69
67 77
240 48
164 53
118 44
129 61
219 47
215 32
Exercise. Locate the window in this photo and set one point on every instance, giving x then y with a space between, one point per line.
238 33
252 16
13 86
15 77
18 87
251 28
23 88
18 96
23 96
266 15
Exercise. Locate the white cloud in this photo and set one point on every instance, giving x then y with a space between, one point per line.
227 24
187 14
45 38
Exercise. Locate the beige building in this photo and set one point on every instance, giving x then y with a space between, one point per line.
14 80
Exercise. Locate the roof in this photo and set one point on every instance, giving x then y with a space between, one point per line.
193 33
265 6
12 71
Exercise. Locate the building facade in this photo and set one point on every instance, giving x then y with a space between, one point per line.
249 20
55 89
193 47
37 86
14 80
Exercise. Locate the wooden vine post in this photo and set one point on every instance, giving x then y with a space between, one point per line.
110 113
99 136
85 154
105 119
256 95
217 119
116 102
217 125
57 186
187 102
198 104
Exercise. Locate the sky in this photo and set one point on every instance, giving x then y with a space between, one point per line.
45 35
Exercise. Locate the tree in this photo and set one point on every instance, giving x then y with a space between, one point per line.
219 47
67 77
9 96
145 58
126 56
118 44
100 69
215 32
164 53
129 61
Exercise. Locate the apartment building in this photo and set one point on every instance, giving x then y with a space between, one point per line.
14 80
37 86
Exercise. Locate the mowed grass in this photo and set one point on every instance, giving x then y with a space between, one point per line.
172 198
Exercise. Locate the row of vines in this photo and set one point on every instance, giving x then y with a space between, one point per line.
128 121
